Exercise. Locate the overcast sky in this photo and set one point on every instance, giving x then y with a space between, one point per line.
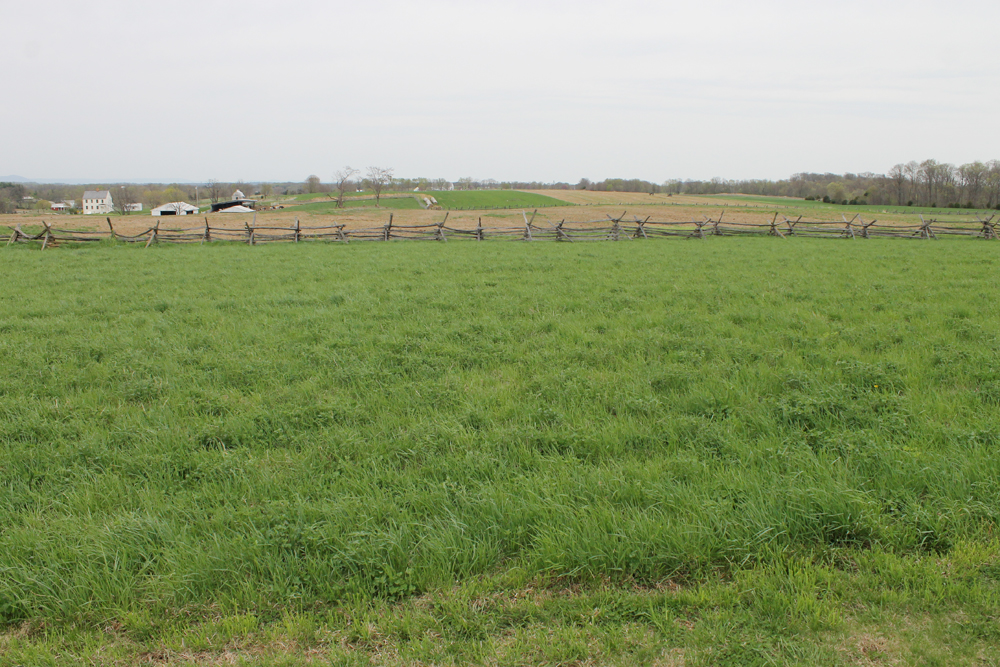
511 90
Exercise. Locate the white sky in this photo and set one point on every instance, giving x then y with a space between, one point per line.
512 90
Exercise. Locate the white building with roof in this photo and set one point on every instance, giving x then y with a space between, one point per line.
175 208
97 202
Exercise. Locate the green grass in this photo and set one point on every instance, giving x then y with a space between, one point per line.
737 451
314 196
330 206
836 210
465 200
486 199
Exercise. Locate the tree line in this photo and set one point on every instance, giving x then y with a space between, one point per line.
926 183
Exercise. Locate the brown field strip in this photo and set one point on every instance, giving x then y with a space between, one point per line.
274 226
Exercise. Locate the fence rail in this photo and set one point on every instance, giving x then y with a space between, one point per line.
608 229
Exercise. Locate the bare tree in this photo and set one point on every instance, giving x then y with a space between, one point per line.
215 189
973 178
10 195
342 181
897 176
377 178
993 184
929 170
124 199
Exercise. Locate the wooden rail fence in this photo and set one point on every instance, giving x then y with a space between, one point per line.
609 229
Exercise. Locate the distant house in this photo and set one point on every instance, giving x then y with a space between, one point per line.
97 202
61 206
175 208
133 207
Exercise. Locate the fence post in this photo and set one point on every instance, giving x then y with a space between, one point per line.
699 231
387 229
479 230
47 235
297 230
16 235
560 234
774 231
925 229
154 234
208 236
111 228
849 228
989 230
439 233
640 227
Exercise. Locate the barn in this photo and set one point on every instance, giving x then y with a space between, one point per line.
175 208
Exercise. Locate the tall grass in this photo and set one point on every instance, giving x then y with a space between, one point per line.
223 427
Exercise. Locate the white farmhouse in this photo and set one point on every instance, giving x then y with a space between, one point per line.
97 201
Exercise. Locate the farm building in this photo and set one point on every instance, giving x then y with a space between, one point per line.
175 208
61 206
235 201
134 207
97 202
236 209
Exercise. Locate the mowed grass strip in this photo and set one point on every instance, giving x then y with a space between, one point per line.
781 437
330 206
813 207
489 199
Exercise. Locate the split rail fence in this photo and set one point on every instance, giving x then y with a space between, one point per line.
609 229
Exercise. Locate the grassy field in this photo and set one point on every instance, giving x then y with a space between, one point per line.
458 199
739 452
578 205
328 206
487 199
813 206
